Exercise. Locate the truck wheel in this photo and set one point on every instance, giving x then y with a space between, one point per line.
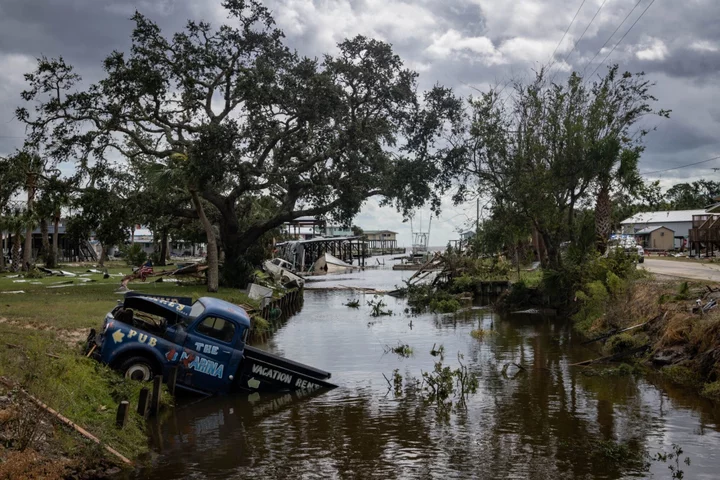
138 368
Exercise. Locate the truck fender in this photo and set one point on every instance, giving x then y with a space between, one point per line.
136 349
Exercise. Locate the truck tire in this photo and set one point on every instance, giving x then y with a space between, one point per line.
138 368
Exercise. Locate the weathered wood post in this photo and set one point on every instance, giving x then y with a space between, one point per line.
156 392
144 402
122 414
172 380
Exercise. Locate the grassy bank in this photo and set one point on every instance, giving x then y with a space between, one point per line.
43 329
81 389
683 342
82 302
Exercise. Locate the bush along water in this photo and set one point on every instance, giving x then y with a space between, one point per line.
459 281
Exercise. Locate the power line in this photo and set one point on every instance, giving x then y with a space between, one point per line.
682 166
585 31
581 37
623 37
610 37
552 57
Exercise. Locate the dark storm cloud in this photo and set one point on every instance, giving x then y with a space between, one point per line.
681 137
688 63
83 32
458 43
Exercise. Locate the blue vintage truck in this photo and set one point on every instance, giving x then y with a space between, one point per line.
147 335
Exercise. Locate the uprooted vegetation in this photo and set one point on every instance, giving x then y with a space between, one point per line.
458 280
444 387
401 349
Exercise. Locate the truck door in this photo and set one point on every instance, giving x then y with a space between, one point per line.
209 357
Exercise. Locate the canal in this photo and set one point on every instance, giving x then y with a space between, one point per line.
547 420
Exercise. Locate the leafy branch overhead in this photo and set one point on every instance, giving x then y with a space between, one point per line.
250 118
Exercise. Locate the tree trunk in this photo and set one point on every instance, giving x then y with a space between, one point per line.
103 255
2 251
212 249
603 218
552 250
163 247
44 233
27 250
16 255
53 260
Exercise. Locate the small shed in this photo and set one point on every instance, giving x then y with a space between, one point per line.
656 238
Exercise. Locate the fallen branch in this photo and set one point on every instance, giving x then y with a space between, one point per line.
388 382
614 332
65 420
10 345
424 266
612 358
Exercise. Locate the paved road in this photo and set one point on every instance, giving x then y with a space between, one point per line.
689 269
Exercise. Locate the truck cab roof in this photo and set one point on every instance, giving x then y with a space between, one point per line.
158 305
215 306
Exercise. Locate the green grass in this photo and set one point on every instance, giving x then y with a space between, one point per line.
44 320
85 305
83 390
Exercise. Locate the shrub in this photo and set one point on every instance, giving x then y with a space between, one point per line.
614 284
680 375
444 306
620 343
34 273
711 390
134 254
463 283
593 299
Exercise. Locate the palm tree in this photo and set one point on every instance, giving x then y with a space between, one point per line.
55 195
15 223
30 168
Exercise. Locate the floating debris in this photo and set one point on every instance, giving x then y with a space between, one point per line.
15 291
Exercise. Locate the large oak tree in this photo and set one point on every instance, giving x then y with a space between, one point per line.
242 116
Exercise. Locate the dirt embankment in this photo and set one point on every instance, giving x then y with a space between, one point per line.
33 445
681 328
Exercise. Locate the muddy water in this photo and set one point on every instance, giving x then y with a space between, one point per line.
547 421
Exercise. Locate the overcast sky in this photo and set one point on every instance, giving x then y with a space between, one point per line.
458 43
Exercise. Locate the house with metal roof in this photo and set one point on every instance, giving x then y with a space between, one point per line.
678 221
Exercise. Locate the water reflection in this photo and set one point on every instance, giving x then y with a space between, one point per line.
544 419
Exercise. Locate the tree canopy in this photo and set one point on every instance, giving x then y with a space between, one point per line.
241 116
553 150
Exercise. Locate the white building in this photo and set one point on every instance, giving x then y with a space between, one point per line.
679 221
